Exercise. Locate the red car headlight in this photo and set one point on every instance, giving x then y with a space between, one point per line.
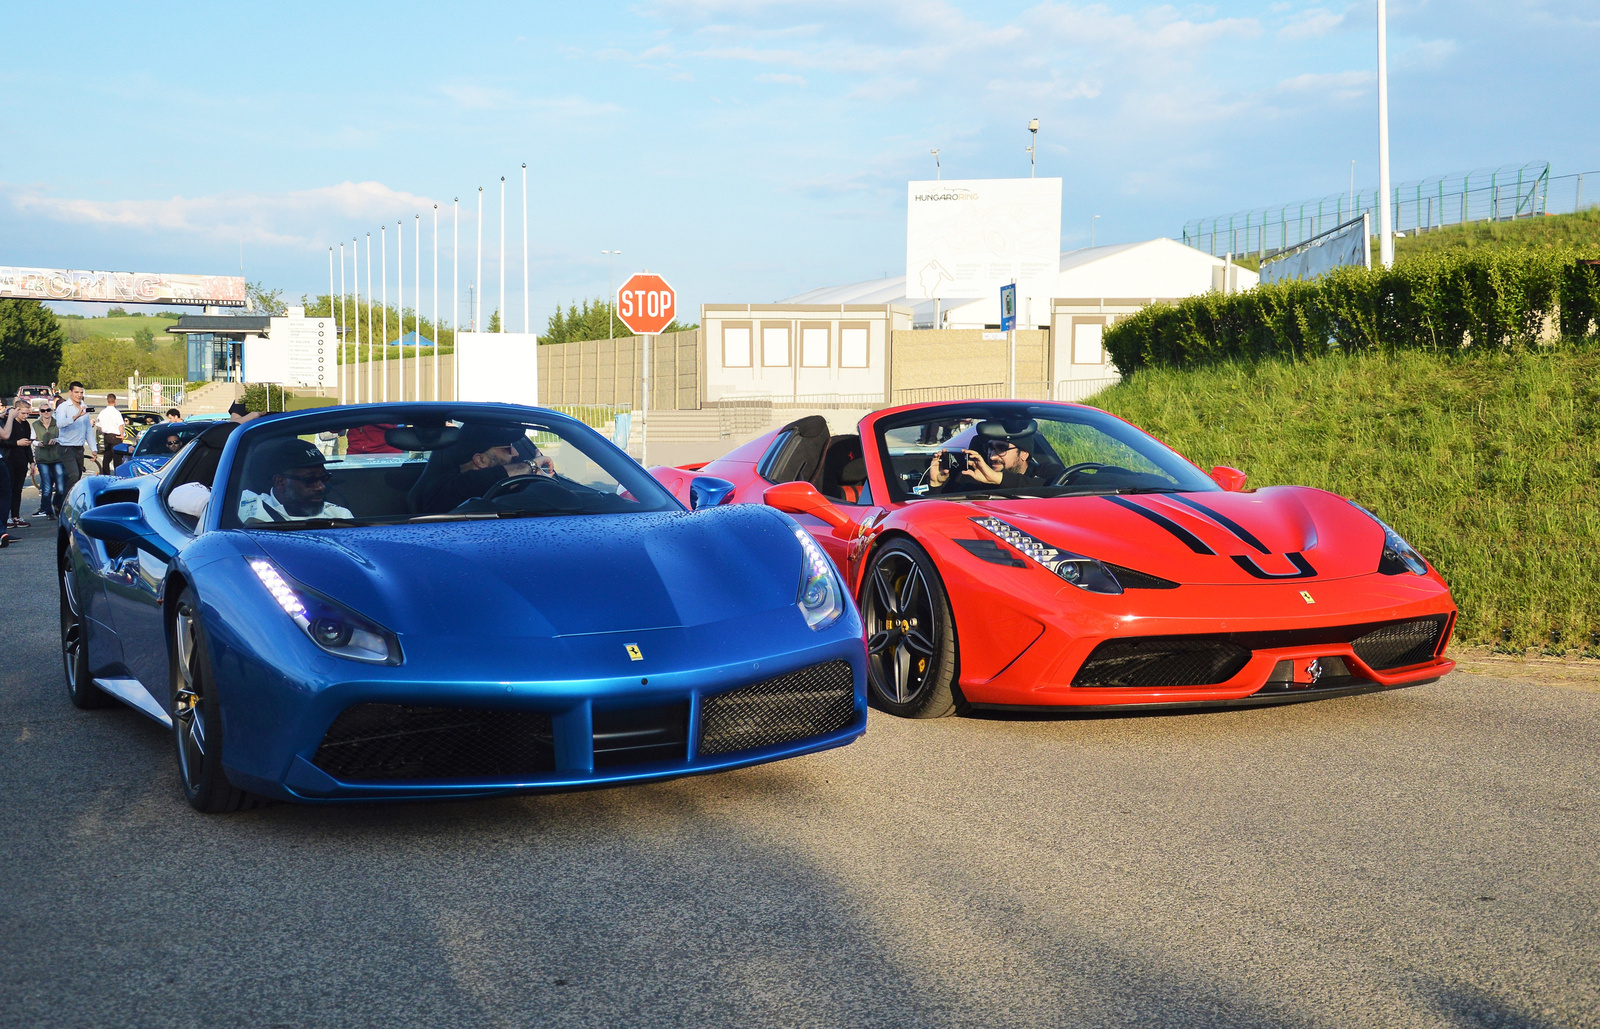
1086 573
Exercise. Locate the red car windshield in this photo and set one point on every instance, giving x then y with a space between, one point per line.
985 449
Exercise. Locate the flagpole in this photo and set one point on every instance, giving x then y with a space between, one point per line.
400 297
369 317
417 265
436 301
502 298
383 245
1386 212
355 275
478 279
455 293
525 308
330 304
344 318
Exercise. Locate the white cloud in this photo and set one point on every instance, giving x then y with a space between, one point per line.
298 219
781 79
1428 55
474 97
1339 85
1312 24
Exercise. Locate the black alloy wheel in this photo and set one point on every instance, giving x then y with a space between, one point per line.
911 640
81 689
196 718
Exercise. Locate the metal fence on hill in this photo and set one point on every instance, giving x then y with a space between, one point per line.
1501 194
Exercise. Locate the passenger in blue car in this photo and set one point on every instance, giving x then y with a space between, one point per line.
299 486
485 455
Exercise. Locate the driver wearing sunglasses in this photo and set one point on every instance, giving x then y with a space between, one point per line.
1001 456
299 486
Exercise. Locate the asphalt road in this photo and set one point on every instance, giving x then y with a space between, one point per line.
1420 858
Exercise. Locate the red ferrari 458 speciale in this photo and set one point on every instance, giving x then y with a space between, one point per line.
1042 555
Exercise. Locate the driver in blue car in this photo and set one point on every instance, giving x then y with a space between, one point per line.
487 455
1002 457
299 486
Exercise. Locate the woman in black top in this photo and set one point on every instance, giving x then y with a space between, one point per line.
16 440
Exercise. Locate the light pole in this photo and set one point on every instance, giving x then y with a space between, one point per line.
938 173
1385 215
1033 145
1091 229
611 289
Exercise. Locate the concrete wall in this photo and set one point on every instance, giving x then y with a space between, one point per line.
609 372
798 350
927 361
402 378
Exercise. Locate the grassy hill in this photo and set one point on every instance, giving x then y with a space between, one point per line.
1489 465
117 326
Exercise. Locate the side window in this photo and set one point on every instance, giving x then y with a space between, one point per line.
771 457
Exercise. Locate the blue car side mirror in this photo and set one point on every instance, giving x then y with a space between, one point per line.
123 448
124 523
709 491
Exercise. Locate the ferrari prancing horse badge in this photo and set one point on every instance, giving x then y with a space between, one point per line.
1306 597
634 653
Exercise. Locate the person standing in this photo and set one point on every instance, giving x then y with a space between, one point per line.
16 441
73 420
174 415
47 457
109 422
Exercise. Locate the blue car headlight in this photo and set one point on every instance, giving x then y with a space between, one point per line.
1398 556
333 627
1086 573
821 598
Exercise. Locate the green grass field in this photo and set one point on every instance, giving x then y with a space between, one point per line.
118 326
1489 465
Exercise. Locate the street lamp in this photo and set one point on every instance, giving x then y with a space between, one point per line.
1033 145
937 171
611 289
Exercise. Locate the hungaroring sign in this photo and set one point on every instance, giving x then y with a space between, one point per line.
646 304
122 287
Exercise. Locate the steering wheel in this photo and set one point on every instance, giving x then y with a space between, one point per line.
1066 478
514 484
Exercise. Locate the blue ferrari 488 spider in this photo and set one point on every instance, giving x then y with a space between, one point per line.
442 600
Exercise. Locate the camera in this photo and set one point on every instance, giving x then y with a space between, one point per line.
952 461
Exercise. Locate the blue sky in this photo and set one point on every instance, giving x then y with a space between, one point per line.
747 150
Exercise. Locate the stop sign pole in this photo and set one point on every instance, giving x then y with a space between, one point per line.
646 305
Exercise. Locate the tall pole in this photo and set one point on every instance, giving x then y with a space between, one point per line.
501 300
416 238
644 411
343 315
1385 214
436 301
611 288
330 304
369 318
526 317
355 273
938 172
455 290
1033 146
478 278
400 296
383 248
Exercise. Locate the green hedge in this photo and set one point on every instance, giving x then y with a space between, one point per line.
1490 299
31 339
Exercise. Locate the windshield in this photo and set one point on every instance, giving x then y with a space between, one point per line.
980 450
166 440
467 464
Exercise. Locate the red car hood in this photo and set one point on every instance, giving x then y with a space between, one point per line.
1276 533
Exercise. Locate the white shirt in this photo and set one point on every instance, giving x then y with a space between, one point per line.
264 507
109 421
74 426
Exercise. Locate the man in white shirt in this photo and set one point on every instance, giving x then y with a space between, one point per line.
109 422
299 485
74 421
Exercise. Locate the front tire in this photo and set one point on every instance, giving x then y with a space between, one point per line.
197 718
81 689
911 638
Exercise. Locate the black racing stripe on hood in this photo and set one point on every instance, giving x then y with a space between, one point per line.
1224 521
1189 539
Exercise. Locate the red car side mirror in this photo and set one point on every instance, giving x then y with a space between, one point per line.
803 498
1230 479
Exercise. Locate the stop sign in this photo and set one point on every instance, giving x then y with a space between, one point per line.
646 304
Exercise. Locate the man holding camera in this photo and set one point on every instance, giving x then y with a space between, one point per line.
1001 458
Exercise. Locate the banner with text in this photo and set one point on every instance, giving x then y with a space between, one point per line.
121 287
968 237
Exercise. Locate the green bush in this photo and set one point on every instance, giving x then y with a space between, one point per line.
31 339
1450 301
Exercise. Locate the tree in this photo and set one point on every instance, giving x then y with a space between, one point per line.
31 340
494 322
594 320
265 301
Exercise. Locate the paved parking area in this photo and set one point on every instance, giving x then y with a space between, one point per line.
1421 858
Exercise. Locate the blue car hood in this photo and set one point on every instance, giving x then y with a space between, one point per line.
546 577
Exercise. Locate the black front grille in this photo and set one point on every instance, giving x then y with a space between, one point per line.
395 741
641 734
810 702
1400 644
1152 661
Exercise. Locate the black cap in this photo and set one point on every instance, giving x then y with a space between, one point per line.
1018 431
286 454
477 438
